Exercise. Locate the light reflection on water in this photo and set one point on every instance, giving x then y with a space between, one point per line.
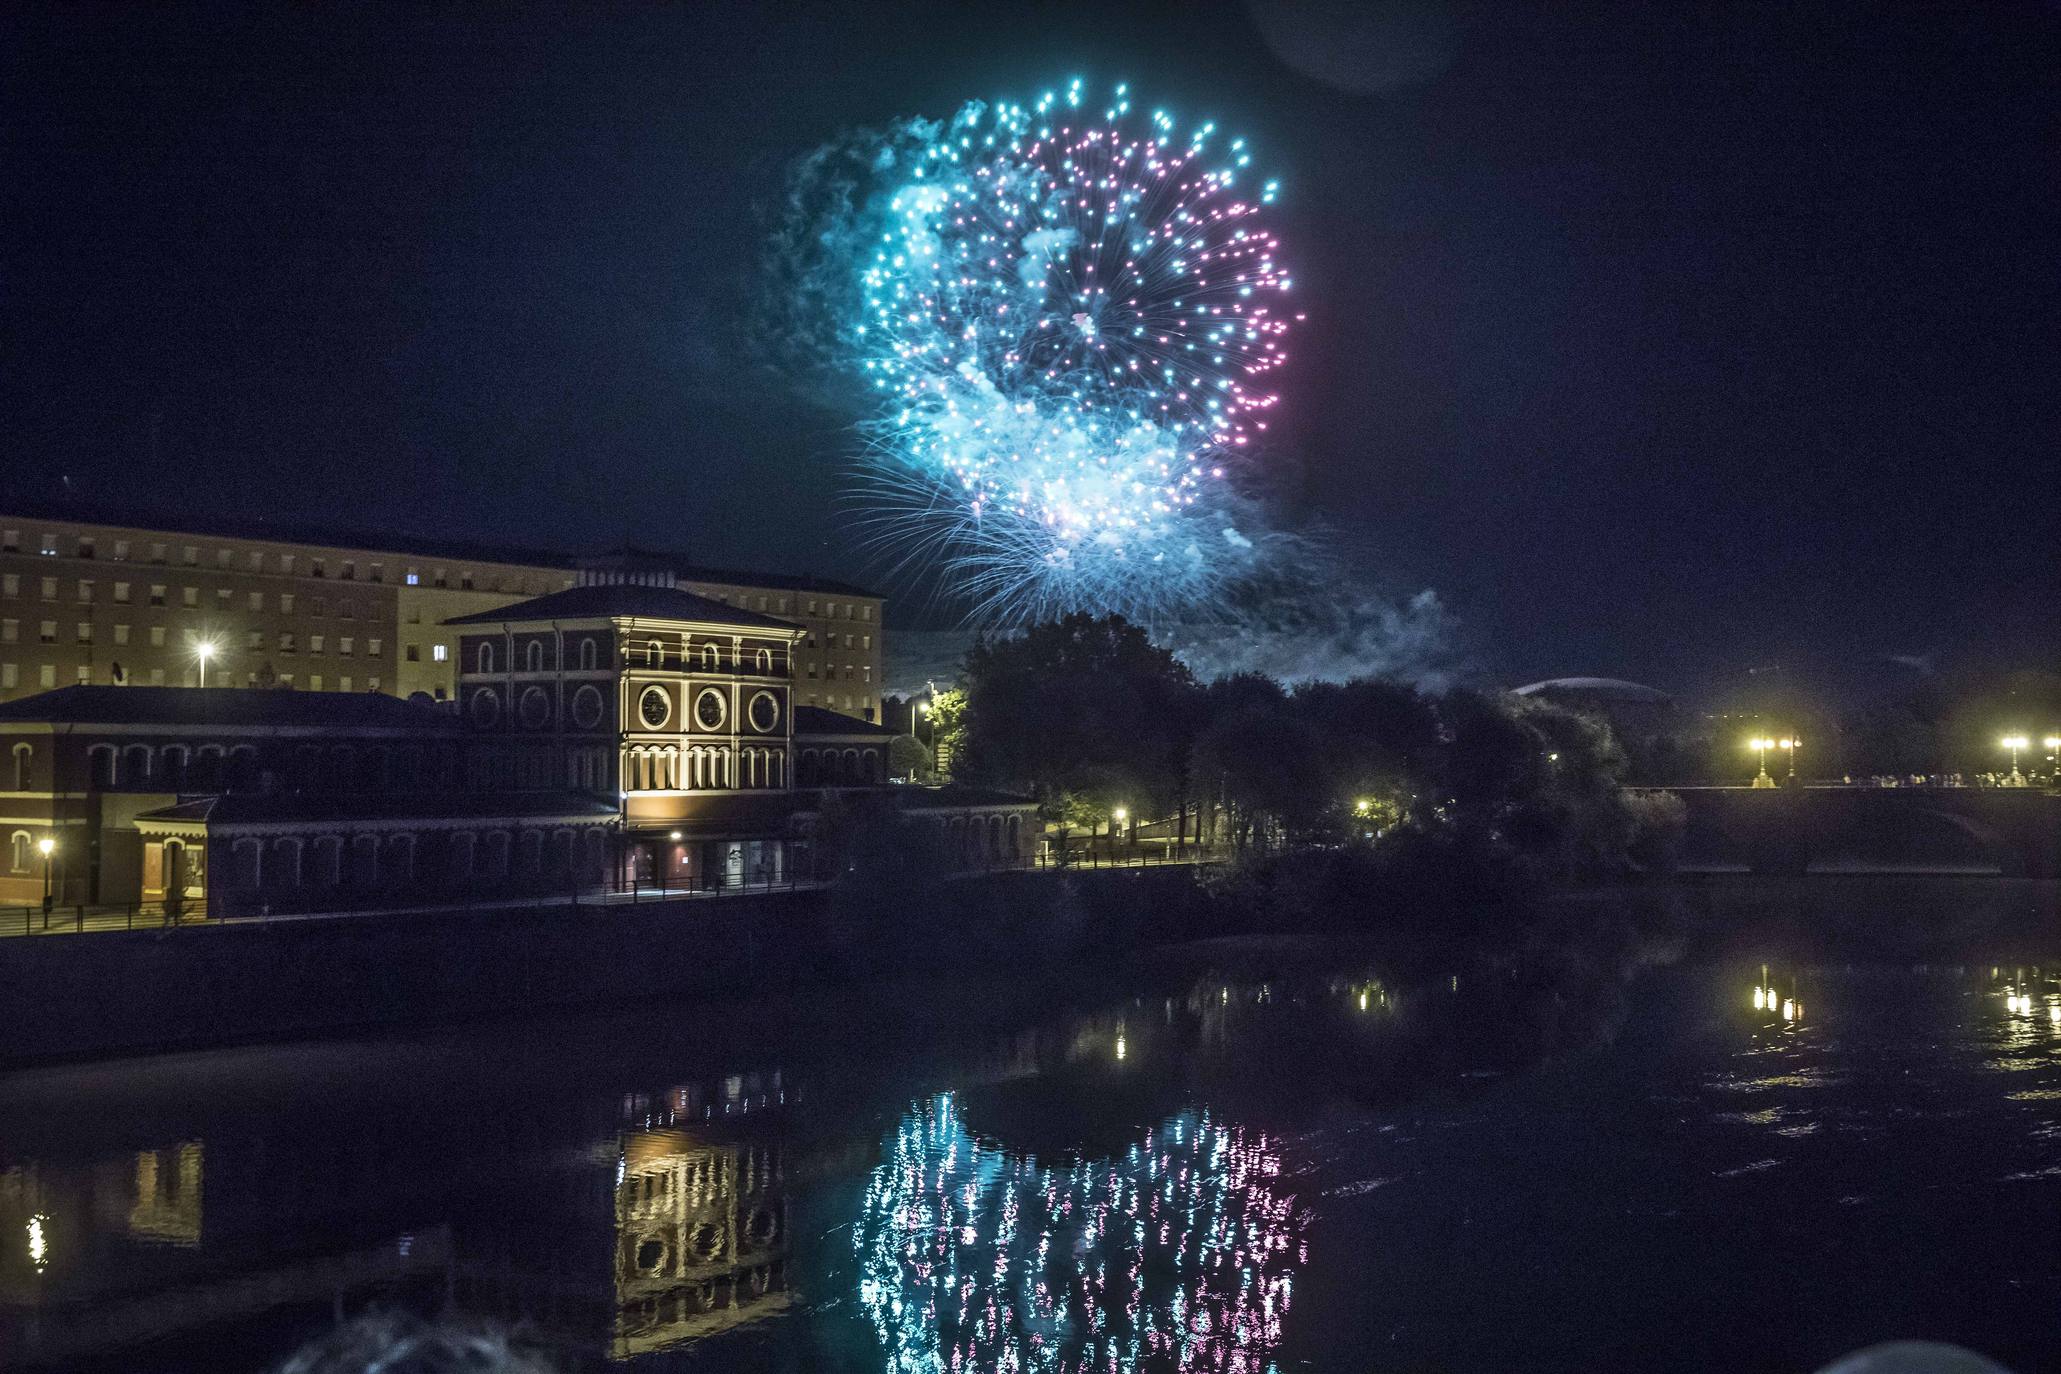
1180 1253
1221 1176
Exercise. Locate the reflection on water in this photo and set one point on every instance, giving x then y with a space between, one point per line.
1322 1172
1178 1254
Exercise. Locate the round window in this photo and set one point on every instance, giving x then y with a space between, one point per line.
764 713
534 708
710 710
486 708
586 707
655 707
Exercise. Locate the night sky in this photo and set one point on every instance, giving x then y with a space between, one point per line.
1661 340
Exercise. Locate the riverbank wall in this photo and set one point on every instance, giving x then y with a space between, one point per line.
122 992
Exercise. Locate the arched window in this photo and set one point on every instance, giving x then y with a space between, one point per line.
654 653
327 870
869 766
497 854
136 765
485 657
246 864
588 654
533 656
711 657
24 757
18 850
171 767
286 862
765 660
100 765
400 858
460 850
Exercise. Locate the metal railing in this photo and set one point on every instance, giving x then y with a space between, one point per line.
79 918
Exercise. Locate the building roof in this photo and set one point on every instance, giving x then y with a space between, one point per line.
103 705
814 720
617 599
343 807
1612 688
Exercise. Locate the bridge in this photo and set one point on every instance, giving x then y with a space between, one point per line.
2014 831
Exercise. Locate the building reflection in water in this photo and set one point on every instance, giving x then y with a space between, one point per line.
700 1217
1179 1254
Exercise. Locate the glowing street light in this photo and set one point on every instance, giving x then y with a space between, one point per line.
1789 747
203 650
46 847
1760 746
2016 744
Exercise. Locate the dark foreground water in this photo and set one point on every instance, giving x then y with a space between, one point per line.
1650 1148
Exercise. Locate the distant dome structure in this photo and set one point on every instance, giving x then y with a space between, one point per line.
1599 689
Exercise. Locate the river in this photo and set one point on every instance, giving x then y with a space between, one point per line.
1693 1146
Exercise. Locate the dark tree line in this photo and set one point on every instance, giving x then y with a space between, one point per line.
1093 719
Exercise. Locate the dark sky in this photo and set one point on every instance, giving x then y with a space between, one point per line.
1661 339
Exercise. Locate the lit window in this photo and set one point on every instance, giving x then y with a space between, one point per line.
414 578
438 653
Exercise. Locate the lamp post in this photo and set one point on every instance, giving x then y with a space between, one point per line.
1789 747
1760 747
204 651
2016 744
2053 745
46 847
1116 818
923 713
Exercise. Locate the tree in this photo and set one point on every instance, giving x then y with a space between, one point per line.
1084 713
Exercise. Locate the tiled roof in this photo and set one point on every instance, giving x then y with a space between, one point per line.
814 720
103 705
608 600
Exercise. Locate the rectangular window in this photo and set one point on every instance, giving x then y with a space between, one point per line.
10 541
349 571
868 613
157 553
286 642
85 591
86 548
223 557
255 639
866 641
345 608
379 572
412 577
157 636
413 653
314 644
316 568
83 674
371 684
343 684
50 589
121 634
190 595
465 581
222 595
286 603
257 601
286 680
49 545
372 647
121 593
157 677
85 632
10 631
191 555
286 563
10 584
812 670
439 652
343 646
46 676
257 560
10 676
314 682
439 577
415 615
157 594
47 632
121 552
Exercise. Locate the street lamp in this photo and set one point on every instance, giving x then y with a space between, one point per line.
1789 747
2016 744
203 651
1760 747
923 710
1117 817
46 847
2053 744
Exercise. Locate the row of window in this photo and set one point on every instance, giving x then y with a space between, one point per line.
778 605
83 674
286 564
864 670
288 641
225 598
